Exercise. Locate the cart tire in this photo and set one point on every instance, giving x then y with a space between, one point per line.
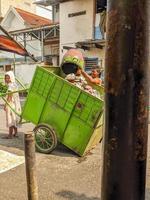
45 138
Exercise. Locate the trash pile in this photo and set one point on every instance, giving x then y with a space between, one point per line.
72 66
80 82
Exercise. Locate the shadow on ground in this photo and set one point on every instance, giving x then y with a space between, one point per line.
18 143
74 196
60 151
14 142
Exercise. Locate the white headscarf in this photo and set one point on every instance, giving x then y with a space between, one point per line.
11 75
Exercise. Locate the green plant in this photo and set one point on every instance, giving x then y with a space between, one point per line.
3 88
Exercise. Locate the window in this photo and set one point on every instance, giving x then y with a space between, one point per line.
100 19
90 63
8 68
77 14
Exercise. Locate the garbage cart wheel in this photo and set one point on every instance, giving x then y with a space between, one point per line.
45 138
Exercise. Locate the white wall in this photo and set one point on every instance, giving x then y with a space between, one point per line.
34 47
77 28
23 4
12 23
99 53
55 61
52 50
56 11
25 72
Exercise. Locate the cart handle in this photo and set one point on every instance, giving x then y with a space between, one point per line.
12 92
20 82
18 114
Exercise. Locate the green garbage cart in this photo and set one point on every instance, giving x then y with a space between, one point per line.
62 112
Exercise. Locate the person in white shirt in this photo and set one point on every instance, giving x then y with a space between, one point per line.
12 119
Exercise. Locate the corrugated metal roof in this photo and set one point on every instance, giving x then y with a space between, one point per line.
50 2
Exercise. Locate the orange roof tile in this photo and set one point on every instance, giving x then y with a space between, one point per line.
33 19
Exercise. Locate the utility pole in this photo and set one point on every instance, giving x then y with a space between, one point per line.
126 118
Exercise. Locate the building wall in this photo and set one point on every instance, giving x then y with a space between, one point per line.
77 28
23 4
99 53
52 50
12 23
34 47
25 72
56 14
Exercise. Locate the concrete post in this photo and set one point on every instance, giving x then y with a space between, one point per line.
30 162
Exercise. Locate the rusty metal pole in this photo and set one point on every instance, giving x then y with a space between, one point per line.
32 187
126 119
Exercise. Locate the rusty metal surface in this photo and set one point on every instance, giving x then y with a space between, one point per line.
126 101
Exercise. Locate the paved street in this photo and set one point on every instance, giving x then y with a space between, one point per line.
61 175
